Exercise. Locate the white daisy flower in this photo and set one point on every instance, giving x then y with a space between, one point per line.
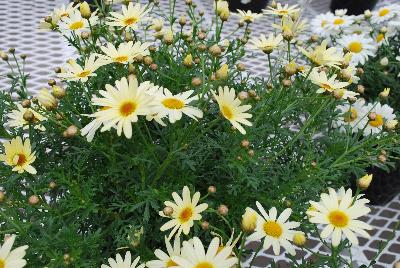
76 23
338 23
326 84
361 46
125 53
12 258
130 17
340 216
185 211
385 13
74 72
281 10
173 106
194 255
275 230
266 45
247 16
121 105
231 108
319 24
165 258
353 115
119 262
16 119
378 115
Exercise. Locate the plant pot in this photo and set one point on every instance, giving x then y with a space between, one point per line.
384 186
354 7
252 5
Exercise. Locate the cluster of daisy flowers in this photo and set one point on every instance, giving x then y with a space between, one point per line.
363 34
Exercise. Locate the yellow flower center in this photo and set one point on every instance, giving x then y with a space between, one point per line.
204 264
327 87
76 25
186 214
283 12
127 108
383 12
227 112
377 122
380 37
171 263
338 21
84 73
338 218
19 159
173 103
355 47
351 115
121 59
130 21
2 263
273 229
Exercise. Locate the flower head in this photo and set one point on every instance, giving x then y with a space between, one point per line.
12 258
326 84
130 17
194 255
231 108
247 16
361 47
75 72
266 45
16 118
352 115
339 214
119 262
323 56
165 258
275 230
125 53
186 210
18 154
385 13
76 23
378 115
281 10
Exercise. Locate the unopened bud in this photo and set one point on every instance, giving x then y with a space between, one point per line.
28 115
223 210
391 124
188 60
299 239
70 132
382 158
314 38
153 66
384 61
360 89
33 200
212 189
249 220
245 143
58 92
251 153
215 50
84 8
2 196
26 103
360 71
372 116
286 82
196 81
222 73
243 95
3 56
85 35
364 182
385 93
52 185
147 60
273 4
168 211
46 99
205 225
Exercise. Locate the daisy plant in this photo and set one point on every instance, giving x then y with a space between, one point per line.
150 146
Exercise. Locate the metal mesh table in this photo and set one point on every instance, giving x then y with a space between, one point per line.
47 50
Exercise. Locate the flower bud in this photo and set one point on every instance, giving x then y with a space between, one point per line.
291 68
153 66
251 153
196 81
385 93
168 211
188 60
58 92
33 200
215 50
212 189
367 14
245 143
223 210
84 8
252 93
11 50
241 67
28 115
205 225
383 30
287 35
147 60
182 20
360 71
299 239
3 56
384 61
85 35
360 89
52 185
222 73
202 47
273 4
70 132
372 116
201 35
391 124
364 182
314 38
26 103
286 82
2 196
243 95
168 37
249 220
47 100
382 158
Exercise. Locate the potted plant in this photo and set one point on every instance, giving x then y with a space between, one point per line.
354 7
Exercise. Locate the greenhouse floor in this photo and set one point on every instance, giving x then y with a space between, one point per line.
47 51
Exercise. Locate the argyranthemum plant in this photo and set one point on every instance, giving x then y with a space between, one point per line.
155 103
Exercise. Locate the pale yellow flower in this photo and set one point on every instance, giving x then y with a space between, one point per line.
18 154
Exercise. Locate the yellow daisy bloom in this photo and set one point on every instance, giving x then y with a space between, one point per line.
75 72
12 258
281 10
121 105
340 213
19 155
186 210
16 119
247 16
326 84
323 56
125 53
266 45
231 109
129 18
